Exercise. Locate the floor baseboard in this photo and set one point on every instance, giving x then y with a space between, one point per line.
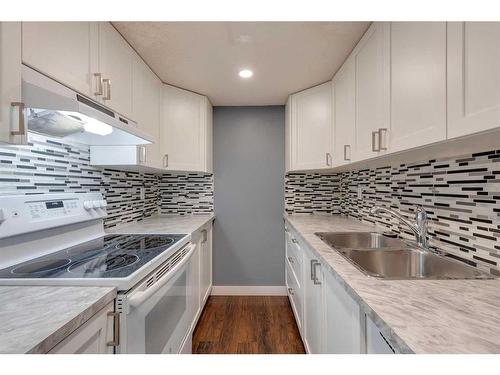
248 290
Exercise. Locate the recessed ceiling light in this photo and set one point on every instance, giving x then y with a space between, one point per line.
245 73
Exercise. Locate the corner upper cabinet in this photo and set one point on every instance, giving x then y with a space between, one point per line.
309 129
372 72
64 51
12 124
418 84
344 108
473 77
186 130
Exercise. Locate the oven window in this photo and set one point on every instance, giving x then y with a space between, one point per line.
163 320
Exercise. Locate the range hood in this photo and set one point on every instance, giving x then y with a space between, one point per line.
55 110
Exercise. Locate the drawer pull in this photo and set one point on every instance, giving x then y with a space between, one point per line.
291 291
290 259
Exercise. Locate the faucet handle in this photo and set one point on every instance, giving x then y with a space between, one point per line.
420 215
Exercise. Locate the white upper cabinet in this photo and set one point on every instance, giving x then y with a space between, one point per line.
344 99
310 128
418 84
64 51
146 110
372 69
12 124
115 64
473 77
89 57
186 130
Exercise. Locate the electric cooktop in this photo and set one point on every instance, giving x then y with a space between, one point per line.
111 256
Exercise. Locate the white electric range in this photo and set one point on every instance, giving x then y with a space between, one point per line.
59 239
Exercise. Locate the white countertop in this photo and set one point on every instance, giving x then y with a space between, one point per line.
164 224
36 318
420 316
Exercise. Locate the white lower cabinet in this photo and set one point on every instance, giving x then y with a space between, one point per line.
93 337
342 325
376 343
328 318
313 304
205 264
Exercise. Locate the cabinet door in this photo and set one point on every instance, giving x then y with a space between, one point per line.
64 51
146 106
376 343
206 265
288 135
312 128
183 129
473 77
372 90
91 338
313 313
418 84
12 127
194 283
344 86
342 320
115 64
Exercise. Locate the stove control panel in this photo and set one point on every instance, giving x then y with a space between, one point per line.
22 214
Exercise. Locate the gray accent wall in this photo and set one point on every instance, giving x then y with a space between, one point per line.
249 162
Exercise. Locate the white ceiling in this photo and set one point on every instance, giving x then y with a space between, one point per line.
205 57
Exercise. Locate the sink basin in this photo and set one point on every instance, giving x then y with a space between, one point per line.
410 263
360 240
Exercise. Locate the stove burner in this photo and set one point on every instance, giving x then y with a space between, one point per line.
108 262
145 243
41 266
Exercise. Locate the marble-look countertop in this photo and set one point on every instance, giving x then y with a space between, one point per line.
164 224
417 316
33 319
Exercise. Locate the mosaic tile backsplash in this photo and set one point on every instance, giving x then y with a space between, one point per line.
312 193
461 196
46 165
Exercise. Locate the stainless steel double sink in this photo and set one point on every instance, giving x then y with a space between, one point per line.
379 255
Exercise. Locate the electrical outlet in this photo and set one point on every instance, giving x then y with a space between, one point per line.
143 193
360 192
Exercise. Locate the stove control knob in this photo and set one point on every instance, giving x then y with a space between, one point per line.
96 204
88 205
104 204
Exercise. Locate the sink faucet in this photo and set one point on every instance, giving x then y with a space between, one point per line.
419 227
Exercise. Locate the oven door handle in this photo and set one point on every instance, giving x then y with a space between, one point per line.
139 297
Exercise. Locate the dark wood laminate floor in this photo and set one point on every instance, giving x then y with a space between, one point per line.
247 325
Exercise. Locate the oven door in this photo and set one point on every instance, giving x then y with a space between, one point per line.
158 314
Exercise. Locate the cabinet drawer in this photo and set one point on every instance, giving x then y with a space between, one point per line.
295 294
294 256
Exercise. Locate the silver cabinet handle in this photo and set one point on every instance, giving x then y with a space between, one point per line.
98 78
107 86
290 259
328 159
165 160
347 147
142 154
290 291
375 138
382 139
205 236
21 130
116 329
314 276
